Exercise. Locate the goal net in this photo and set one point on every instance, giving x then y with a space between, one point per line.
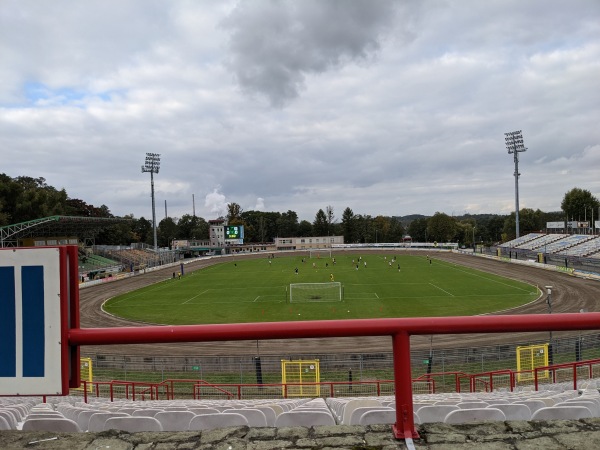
320 252
315 292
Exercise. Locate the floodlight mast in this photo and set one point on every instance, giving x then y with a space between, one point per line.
152 165
514 145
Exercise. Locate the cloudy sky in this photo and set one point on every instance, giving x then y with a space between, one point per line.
386 107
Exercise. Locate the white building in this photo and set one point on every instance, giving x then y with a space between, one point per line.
307 243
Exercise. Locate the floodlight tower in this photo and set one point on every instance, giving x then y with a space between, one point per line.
514 145
152 164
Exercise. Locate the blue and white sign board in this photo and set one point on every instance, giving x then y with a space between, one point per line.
30 322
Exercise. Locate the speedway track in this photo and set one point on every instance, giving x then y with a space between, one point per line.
569 295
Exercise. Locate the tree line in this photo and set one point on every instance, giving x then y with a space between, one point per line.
25 198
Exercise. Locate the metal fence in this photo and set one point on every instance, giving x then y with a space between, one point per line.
341 367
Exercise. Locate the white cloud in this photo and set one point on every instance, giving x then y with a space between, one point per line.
392 109
216 202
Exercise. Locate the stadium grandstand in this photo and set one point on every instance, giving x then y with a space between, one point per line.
576 244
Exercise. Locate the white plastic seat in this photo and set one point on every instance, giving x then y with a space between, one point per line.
435 413
471 405
175 420
474 415
304 419
357 403
562 413
132 424
96 422
589 404
220 420
4 425
269 413
254 417
532 404
358 413
377 416
513 411
51 424
10 419
146 412
83 419
200 411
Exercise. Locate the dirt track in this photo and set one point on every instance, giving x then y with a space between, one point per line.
569 294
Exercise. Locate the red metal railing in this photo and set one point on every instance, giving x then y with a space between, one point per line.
399 330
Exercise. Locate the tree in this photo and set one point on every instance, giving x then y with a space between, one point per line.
441 228
330 219
287 224
192 227
234 214
142 229
579 204
305 229
320 225
166 232
417 230
529 221
348 225
396 232
365 232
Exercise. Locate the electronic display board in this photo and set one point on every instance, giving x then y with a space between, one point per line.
235 232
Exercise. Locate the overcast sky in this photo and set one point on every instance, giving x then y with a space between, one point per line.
386 107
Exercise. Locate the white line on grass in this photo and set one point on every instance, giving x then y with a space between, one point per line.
437 287
488 279
198 295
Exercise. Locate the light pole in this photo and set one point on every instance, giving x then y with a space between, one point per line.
152 165
549 301
514 145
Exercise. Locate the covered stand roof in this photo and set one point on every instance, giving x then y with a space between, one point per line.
82 227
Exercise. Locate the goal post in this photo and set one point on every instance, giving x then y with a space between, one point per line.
316 292
319 252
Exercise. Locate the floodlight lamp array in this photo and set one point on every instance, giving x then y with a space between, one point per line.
152 163
514 142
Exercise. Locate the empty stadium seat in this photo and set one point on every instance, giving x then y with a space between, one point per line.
296 418
4 425
562 413
220 420
57 424
474 415
175 420
378 416
132 424
513 411
435 413
97 421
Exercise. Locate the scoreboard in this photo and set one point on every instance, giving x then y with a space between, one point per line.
234 233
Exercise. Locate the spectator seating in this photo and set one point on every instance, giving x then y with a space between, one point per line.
71 414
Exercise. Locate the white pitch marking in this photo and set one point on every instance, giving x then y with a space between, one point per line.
437 287
198 295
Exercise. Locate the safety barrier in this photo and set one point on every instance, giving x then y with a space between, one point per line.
399 330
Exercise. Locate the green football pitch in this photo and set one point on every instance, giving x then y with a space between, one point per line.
256 290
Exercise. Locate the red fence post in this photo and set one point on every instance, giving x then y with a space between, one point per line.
405 423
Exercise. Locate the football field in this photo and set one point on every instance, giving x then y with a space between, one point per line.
257 290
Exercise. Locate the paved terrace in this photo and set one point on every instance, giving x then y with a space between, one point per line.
551 435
